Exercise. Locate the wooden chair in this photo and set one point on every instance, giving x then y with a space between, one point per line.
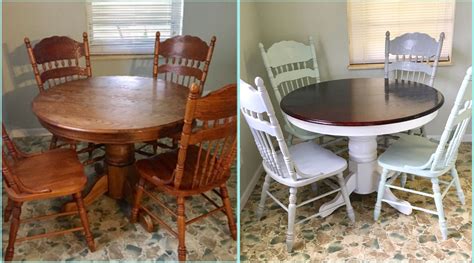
291 65
202 163
185 60
295 166
56 60
422 157
32 177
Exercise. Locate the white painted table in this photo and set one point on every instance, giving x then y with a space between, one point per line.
362 109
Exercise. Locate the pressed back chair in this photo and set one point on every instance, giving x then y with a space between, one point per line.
291 65
184 60
202 163
295 166
415 57
56 60
421 157
40 176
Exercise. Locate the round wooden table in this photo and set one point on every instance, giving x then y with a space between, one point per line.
361 109
117 111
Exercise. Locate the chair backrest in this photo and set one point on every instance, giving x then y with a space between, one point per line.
290 65
456 125
213 142
186 59
256 107
416 57
57 59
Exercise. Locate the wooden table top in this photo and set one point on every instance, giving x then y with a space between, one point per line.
361 102
111 105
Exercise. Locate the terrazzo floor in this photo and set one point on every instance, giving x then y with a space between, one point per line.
413 238
115 237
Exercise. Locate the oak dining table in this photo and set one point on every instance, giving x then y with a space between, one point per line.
117 111
362 109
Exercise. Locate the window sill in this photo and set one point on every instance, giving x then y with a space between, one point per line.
381 65
120 56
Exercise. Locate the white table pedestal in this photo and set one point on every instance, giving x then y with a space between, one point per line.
364 174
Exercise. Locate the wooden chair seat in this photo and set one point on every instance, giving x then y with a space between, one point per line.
42 171
160 169
39 176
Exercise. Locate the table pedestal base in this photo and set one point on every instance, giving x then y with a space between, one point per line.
118 181
364 175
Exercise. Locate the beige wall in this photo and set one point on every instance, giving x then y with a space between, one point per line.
326 22
38 20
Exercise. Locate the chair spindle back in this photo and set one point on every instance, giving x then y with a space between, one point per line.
415 57
186 59
456 125
213 141
290 65
258 111
57 59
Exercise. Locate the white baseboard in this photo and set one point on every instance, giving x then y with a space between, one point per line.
16 133
244 197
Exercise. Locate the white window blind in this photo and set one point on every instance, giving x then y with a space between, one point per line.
368 20
118 27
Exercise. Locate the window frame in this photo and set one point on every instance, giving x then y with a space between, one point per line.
128 50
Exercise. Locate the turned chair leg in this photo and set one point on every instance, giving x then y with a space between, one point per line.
54 142
228 212
345 195
439 207
457 183
15 225
380 193
137 200
85 221
8 211
181 230
290 236
263 197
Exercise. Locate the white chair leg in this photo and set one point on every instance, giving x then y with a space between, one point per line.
403 179
263 197
289 140
457 183
290 236
314 187
423 131
381 190
439 207
345 195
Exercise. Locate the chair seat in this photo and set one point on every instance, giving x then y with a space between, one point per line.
411 151
311 159
58 170
159 170
302 134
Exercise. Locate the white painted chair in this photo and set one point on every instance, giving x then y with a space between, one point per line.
291 65
421 157
412 57
297 166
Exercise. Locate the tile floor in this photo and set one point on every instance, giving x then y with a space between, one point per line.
395 237
115 237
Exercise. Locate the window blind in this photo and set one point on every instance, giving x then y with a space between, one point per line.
368 20
117 27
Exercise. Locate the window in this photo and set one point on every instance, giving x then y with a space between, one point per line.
129 27
368 20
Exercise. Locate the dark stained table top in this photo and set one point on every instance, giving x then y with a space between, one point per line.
361 102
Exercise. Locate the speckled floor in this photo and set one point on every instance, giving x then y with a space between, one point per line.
415 237
115 237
